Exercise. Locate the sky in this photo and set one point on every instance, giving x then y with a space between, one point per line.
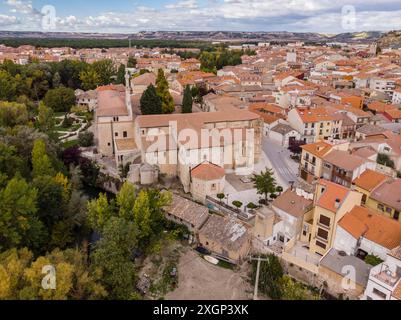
130 16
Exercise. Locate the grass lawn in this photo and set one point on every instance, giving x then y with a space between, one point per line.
73 128
226 265
60 114
69 144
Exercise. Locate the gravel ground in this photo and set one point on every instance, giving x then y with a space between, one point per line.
200 280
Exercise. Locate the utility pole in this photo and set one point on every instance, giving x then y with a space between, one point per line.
259 259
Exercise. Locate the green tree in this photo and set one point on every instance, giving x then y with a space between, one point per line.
265 183
126 201
149 217
237 204
12 114
121 74
50 202
293 290
60 99
21 276
41 164
187 100
90 79
17 213
271 273
38 76
385 160
99 212
13 264
163 92
10 161
86 139
150 102
105 69
46 122
56 81
221 196
8 86
113 254
131 62
124 170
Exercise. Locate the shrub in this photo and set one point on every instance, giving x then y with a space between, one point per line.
251 205
385 160
237 204
86 139
373 260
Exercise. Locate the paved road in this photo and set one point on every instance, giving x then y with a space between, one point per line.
280 159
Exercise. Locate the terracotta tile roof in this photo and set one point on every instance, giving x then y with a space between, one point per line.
380 106
370 129
365 152
389 193
111 103
228 232
332 192
125 144
207 171
397 291
357 112
292 204
319 149
310 115
394 114
194 119
368 223
396 253
344 160
113 87
265 107
187 210
144 79
370 179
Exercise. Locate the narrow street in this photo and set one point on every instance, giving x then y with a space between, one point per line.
279 157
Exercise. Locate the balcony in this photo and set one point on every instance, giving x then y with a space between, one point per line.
388 278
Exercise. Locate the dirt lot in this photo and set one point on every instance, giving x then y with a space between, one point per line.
200 280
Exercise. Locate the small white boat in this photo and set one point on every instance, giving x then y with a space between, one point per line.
211 259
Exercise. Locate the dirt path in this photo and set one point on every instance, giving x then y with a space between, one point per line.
200 280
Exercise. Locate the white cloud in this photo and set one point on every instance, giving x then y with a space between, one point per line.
236 15
187 4
22 7
6 20
364 21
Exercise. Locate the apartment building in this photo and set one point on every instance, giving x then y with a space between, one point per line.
332 202
312 123
343 167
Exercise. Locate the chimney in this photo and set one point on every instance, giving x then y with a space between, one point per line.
337 203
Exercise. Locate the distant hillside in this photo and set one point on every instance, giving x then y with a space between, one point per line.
391 39
173 38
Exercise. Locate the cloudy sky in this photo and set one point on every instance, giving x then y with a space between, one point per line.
127 16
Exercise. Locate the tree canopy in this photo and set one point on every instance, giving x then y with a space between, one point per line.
265 183
187 100
60 99
162 90
150 102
